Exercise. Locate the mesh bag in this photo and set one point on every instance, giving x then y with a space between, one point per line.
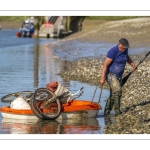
59 89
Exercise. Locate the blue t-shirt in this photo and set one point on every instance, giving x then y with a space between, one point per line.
119 61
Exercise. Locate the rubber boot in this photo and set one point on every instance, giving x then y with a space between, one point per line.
108 106
117 104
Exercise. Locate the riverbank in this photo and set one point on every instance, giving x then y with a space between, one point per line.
136 92
136 30
10 25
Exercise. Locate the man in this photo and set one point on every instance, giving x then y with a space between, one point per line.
112 71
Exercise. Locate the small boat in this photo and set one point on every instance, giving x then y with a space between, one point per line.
27 28
44 104
74 109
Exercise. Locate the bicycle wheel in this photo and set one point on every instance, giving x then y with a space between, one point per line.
10 97
34 110
46 104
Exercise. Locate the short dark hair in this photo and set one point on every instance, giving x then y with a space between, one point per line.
124 42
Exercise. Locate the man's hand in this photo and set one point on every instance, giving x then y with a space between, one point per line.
133 66
102 81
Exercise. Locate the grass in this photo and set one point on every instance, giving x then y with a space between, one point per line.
108 18
12 18
111 18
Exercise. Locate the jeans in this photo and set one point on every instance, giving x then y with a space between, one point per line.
114 83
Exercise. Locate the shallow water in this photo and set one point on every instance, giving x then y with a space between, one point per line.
28 64
77 49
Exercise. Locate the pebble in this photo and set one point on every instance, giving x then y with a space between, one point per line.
135 100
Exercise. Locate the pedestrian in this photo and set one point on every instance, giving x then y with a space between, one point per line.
112 71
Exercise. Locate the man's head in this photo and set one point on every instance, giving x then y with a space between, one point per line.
123 44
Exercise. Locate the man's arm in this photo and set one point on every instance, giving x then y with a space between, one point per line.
104 69
129 60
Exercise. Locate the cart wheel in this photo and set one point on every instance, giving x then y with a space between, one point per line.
35 111
10 97
46 104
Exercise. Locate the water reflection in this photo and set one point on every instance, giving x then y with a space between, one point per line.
49 65
26 65
110 119
81 126
70 126
36 52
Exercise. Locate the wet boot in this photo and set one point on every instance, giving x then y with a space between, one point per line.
108 107
117 105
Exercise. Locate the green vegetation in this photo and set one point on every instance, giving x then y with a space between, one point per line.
111 18
108 18
12 18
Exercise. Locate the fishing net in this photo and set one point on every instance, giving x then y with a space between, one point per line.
58 89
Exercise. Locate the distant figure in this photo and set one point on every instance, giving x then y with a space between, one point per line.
0 27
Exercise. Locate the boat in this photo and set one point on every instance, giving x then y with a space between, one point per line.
45 104
75 109
27 28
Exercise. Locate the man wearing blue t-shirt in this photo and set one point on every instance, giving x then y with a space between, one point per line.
112 71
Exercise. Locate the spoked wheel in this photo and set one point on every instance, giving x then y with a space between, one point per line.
45 104
10 97
34 110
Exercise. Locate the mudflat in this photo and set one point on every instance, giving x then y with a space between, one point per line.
136 30
10 25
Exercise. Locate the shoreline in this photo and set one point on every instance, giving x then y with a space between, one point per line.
13 25
135 100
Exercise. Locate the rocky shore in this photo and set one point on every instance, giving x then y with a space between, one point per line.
135 102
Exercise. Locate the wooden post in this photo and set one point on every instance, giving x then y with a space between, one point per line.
36 27
68 23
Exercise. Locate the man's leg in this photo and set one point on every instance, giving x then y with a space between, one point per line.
109 104
109 101
116 97
115 85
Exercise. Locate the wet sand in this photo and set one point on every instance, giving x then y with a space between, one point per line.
10 25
